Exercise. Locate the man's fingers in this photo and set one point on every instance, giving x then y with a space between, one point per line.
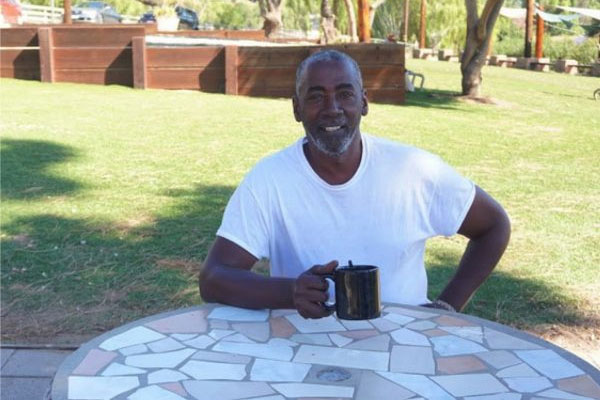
324 269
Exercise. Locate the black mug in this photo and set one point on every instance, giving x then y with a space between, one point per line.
357 292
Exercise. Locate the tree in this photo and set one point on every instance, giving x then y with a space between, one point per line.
270 10
351 20
328 23
479 34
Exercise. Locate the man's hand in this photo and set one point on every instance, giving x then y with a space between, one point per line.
310 291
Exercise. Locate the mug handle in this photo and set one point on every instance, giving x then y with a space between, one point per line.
329 304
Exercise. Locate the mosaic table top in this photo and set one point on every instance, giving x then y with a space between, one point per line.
217 352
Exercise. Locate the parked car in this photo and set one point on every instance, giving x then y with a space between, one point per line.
188 19
96 12
11 12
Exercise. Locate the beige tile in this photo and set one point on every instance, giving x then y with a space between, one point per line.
459 365
581 385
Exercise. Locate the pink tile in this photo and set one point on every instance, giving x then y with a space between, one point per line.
191 322
459 365
175 387
446 320
281 327
360 334
581 385
434 332
94 361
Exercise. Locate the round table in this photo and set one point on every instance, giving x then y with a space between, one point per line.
218 352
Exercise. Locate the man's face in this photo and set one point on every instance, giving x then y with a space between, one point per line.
330 103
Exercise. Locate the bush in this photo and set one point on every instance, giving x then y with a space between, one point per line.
565 47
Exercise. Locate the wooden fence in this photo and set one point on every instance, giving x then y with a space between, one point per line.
119 55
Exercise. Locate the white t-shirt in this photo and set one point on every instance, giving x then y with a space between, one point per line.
399 197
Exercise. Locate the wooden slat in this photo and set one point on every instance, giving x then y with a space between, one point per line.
256 91
139 62
19 37
96 36
200 57
92 57
386 96
112 76
46 54
20 73
223 34
382 77
267 77
20 59
272 56
231 70
207 80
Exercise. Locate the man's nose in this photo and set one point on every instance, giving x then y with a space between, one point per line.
331 106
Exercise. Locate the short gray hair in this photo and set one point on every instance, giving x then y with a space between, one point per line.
325 55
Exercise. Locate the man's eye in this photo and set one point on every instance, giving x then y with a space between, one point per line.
346 94
314 97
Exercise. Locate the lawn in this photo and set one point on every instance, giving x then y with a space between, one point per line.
111 196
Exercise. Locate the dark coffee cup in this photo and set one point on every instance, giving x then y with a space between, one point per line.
357 292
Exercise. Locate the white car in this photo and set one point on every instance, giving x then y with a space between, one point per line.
95 12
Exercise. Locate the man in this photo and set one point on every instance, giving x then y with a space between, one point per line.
339 194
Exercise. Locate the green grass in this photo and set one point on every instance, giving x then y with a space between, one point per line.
111 196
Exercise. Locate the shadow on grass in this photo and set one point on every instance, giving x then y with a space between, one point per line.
524 303
444 99
25 168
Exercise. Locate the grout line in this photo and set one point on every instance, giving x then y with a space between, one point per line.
39 346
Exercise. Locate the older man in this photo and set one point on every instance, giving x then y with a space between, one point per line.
339 194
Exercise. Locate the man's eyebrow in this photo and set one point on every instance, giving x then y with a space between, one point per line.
344 86
315 89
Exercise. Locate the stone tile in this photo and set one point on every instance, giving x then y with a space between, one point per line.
454 346
166 375
418 384
377 343
559 394
281 327
190 322
219 334
17 388
517 371
137 335
238 337
410 312
435 332
501 396
385 325
499 359
398 318
239 314
221 357
356 325
211 390
154 392
160 360
528 385
474 333
411 359
100 387
548 363
5 355
501 341
371 360
312 390
167 344
372 386
200 342
360 334
34 363
254 330
218 324
421 325
339 340
94 361
470 384
207 370
459 364
282 342
131 350
278 371
312 338
327 324
447 320
182 337
174 387
118 369
406 336
270 352
581 385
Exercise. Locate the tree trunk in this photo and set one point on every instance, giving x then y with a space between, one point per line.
270 10
479 33
351 20
328 23
373 9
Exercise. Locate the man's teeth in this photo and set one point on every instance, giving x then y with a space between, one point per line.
332 128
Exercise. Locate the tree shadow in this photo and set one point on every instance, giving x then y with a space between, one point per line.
429 98
25 169
507 299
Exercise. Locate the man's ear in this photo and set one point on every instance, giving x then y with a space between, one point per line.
296 106
365 103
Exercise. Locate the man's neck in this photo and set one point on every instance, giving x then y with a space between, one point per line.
335 170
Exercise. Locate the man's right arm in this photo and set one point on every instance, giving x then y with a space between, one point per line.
226 277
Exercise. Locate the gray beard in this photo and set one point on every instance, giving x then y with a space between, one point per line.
333 148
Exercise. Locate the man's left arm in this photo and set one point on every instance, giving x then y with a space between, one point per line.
488 229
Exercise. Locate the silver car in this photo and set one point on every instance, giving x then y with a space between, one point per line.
95 12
